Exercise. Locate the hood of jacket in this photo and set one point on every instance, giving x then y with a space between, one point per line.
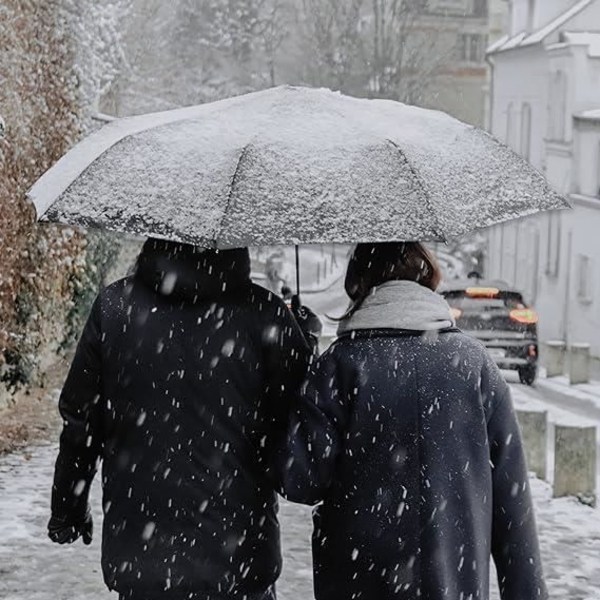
187 273
400 305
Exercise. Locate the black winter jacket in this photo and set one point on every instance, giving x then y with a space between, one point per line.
412 444
180 376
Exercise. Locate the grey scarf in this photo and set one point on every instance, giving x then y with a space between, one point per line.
400 305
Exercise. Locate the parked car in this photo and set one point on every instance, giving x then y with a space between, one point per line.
498 316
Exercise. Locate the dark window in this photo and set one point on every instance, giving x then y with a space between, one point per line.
471 47
480 8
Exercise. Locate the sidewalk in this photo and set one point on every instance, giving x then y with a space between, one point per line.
34 569
586 393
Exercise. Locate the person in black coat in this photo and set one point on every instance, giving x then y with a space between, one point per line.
181 375
406 435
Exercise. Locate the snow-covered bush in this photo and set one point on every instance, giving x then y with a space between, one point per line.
52 72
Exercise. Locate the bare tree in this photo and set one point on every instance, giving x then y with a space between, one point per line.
273 33
249 34
332 37
193 51
375 48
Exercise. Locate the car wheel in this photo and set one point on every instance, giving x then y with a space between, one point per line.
528 374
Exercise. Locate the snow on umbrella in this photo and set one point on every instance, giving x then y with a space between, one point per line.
291 165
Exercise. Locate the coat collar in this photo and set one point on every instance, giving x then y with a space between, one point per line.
188 273
404 305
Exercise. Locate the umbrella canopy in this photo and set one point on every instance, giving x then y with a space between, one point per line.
291 165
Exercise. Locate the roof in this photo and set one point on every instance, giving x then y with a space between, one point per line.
523 38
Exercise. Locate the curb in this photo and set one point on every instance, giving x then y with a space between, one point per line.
584 403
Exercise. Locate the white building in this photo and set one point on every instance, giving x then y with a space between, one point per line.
545 103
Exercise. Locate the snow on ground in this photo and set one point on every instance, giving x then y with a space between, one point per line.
563 409
32 568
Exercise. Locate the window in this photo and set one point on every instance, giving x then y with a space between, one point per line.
526 131
450 5
480 8
510 126
584 279
557 109
530 15
553 245
598 171
471 47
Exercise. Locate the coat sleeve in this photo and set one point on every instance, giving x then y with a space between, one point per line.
287 358
316 429
515 547
81 444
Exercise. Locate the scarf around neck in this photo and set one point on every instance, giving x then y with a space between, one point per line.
400 305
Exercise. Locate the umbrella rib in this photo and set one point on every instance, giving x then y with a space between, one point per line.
230 194
437 228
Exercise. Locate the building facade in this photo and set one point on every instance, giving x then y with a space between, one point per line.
466 28
545 104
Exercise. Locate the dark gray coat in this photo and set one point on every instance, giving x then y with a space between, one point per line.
412 444
180 377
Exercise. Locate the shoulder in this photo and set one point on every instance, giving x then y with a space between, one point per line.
259 293
465 344
119 289
345 354
493 388
115 297
468 355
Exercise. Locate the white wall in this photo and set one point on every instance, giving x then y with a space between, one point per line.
544 11
519 10
584 318
498 19
587 78
542 255
521 76
547 10
587 20
587 159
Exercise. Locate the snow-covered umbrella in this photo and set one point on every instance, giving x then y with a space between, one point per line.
291 165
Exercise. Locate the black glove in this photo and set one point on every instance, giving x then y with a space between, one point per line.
67 531
308 321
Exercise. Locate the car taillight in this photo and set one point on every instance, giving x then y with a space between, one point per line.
527 316
456 313
482 292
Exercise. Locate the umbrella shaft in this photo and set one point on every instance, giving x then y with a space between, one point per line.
298 270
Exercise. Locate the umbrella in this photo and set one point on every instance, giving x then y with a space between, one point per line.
291 165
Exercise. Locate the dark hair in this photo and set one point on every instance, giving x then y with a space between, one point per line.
373 264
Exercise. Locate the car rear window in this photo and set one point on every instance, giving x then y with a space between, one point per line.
504 301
